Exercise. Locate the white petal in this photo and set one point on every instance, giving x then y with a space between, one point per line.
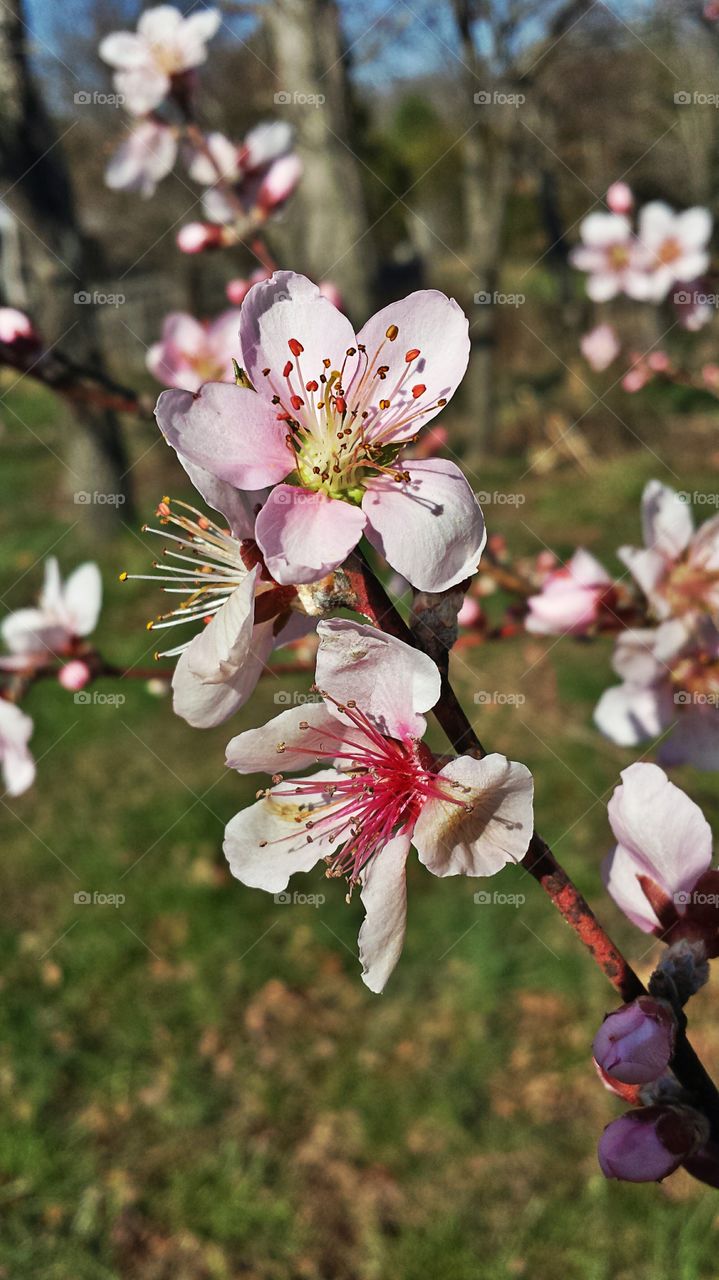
266 843
384 895
390 681
82 598
255 750
497 828
666 520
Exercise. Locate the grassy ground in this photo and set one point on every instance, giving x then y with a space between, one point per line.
197 1085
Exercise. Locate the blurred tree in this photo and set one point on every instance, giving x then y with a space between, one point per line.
313 90
38 190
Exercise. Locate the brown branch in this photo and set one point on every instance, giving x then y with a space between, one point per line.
371 599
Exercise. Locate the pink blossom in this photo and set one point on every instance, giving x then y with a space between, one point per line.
329 417
710 374
241 614
571 597
145 157
195 237
165 45
648 1144
74 675
255 178
237 290
620 198
18 766
636 378
191 353
65 613
379 790
635 1043
673 246
663 852
600 347
331 292
678 567
609 253
659 362
16 327
670 683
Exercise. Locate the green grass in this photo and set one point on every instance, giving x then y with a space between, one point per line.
197 1084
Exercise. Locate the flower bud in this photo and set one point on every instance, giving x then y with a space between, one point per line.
280 181
635 1043
74 675
620 198
648 1144
198 236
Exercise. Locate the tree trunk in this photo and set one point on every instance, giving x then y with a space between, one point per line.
40 195
312 89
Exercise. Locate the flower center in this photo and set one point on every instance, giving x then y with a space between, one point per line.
618 257
696 679
690 585
382 786
344 425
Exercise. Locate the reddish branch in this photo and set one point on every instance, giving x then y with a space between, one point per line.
371 599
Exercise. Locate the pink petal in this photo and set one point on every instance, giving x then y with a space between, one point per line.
123 49
620 870
289 307
264 845
660 826
229 431
82 598
384 895
430 530
666 520
303 535
433 324
238 506
390 681
629 714
142 87
497 829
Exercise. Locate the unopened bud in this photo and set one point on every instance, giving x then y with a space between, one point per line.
648 1144
635 1043
74 675
620 198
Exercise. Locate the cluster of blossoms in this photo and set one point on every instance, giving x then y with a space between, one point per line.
48 637
660 875
155 74
665 249
667 652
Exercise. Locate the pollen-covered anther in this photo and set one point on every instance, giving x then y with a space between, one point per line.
287 369
419 390
392 332
412 355
297 402
280 747
312 386
384 404
295 347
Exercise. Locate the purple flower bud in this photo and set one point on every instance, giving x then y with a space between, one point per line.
635 1043
648 1144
